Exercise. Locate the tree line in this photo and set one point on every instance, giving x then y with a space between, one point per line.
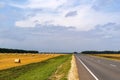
100 52
5 50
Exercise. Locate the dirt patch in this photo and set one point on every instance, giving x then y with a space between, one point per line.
57 76
73 73
62 71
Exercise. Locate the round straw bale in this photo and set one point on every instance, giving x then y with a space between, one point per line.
17 61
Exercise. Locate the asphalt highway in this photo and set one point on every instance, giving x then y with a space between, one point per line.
96 68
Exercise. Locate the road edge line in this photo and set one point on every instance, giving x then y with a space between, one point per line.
88 69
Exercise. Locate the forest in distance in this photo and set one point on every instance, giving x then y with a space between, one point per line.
100 52
5 50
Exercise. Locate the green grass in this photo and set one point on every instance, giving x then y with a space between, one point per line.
35 71
62 71
65 69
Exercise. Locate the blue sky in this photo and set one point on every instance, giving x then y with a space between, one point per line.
60 25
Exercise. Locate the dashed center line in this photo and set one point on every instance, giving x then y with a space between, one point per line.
113 65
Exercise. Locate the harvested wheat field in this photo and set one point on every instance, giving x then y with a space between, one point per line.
110 56
7 60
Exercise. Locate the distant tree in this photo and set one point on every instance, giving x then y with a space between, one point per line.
75 52
5 50
100 52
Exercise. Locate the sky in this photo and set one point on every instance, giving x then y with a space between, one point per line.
60 25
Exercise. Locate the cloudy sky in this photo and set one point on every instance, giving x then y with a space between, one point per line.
60 25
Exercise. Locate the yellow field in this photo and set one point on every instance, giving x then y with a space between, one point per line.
111 56
7 60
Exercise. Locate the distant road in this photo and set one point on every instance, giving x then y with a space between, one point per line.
95 68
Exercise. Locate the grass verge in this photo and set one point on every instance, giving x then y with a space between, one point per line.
35 71
62 71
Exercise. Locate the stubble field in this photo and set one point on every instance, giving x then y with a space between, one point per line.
110 56
35 66
7 60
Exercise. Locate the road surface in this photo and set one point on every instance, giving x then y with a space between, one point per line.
95 68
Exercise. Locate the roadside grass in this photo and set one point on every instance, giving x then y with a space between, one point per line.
108 56
35 71
62 71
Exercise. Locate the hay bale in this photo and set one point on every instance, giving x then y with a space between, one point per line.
17 61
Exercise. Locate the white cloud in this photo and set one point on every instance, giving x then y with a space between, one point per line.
41 4
2 4
109 30
86 19
26 23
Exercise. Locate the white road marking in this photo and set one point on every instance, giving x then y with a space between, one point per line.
88 70
113 65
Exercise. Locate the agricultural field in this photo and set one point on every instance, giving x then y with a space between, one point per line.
7 60
35 67
109 56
